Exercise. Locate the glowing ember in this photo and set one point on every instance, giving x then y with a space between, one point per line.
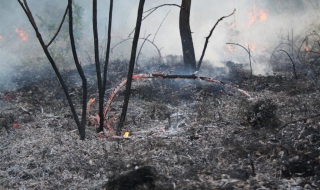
252 46
90 102
306 48
0 37
230 48
15 125
126 134
257 14
22 35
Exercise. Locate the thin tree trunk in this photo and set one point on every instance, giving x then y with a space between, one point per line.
106 63
96 56
185 34
82 131
53 64
131 67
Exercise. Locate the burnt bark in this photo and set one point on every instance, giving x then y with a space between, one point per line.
26 9
97 62
105 68
81 73
186 37
131 67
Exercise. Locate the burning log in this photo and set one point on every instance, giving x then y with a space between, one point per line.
90 102
155 75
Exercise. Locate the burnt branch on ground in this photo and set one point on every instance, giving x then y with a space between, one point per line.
162 76
298 120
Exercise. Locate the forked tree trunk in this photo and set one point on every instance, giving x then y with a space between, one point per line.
185 34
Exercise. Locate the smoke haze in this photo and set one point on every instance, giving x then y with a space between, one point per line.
258 23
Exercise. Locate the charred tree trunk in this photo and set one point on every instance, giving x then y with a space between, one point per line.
26 9
105 68
131 67
185 34
81 73
97 62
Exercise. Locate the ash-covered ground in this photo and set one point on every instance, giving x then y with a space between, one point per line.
185 134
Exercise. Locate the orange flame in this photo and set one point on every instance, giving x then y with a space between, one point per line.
231 48
306 48
0 37
252 46
22 35
257 14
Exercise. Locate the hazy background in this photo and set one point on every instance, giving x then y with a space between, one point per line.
260 24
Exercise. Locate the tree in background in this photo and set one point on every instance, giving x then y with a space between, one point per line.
186 37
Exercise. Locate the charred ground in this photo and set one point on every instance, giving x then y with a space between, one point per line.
185 134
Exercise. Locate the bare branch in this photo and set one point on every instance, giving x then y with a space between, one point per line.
208 37
298 120
293 65
141 49
160 26
159 53
152 10
52 62
55 35
248 51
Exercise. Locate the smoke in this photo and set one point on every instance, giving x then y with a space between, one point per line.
259 24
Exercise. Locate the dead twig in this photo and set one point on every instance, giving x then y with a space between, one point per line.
248 51
152 10
293 65
293 46
208 37
59 28
159 53
298 120
141 49
160 27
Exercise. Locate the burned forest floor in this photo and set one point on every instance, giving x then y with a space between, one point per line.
184 134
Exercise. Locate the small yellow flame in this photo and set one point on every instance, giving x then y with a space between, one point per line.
126 134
